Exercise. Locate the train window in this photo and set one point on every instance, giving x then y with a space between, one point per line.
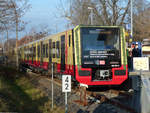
24 53
34 51
53 50
57 49
43 50
30 55
38 51
69 40
50 49
46 50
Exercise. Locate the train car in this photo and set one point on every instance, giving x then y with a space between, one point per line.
93 55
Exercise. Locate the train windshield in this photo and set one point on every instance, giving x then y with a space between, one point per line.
100 38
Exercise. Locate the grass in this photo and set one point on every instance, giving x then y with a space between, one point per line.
17 94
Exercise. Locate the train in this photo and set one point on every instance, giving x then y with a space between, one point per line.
92 55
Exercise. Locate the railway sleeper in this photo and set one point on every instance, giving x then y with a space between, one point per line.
114 102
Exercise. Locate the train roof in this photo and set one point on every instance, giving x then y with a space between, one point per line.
78 26
44 38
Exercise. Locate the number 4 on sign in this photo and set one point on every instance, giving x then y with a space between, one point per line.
66 80
66 83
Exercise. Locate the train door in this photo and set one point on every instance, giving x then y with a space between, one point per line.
63 53
24 54
32 53
28 54
50 48
38 53
41 63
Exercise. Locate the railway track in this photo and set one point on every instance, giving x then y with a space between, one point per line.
115 100
111 97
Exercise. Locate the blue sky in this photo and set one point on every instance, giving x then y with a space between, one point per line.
43 12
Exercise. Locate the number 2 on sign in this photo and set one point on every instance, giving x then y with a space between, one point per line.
66 86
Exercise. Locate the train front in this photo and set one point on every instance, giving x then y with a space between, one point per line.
100 55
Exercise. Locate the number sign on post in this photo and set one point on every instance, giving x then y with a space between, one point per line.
66 83
66 87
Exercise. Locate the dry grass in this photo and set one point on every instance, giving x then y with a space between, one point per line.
17 94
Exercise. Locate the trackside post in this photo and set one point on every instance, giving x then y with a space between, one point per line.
52 88
66 87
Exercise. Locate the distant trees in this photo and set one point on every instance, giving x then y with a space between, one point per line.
11 12
141 20
5 14
105 12
11 42
43 30
109 12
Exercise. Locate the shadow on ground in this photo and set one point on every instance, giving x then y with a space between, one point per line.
19 96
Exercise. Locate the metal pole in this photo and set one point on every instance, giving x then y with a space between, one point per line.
16 19
92 16
131 18
2 44
7 43
17 42
52 88
66 104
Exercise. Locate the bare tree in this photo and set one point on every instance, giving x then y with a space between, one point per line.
76 11
19 7
142 25
39 32
106 12
11 12
5 16
109 12
35 33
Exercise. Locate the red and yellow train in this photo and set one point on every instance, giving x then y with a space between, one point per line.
93 55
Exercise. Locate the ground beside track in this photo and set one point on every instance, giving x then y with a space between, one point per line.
38 87
44 84
18 94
